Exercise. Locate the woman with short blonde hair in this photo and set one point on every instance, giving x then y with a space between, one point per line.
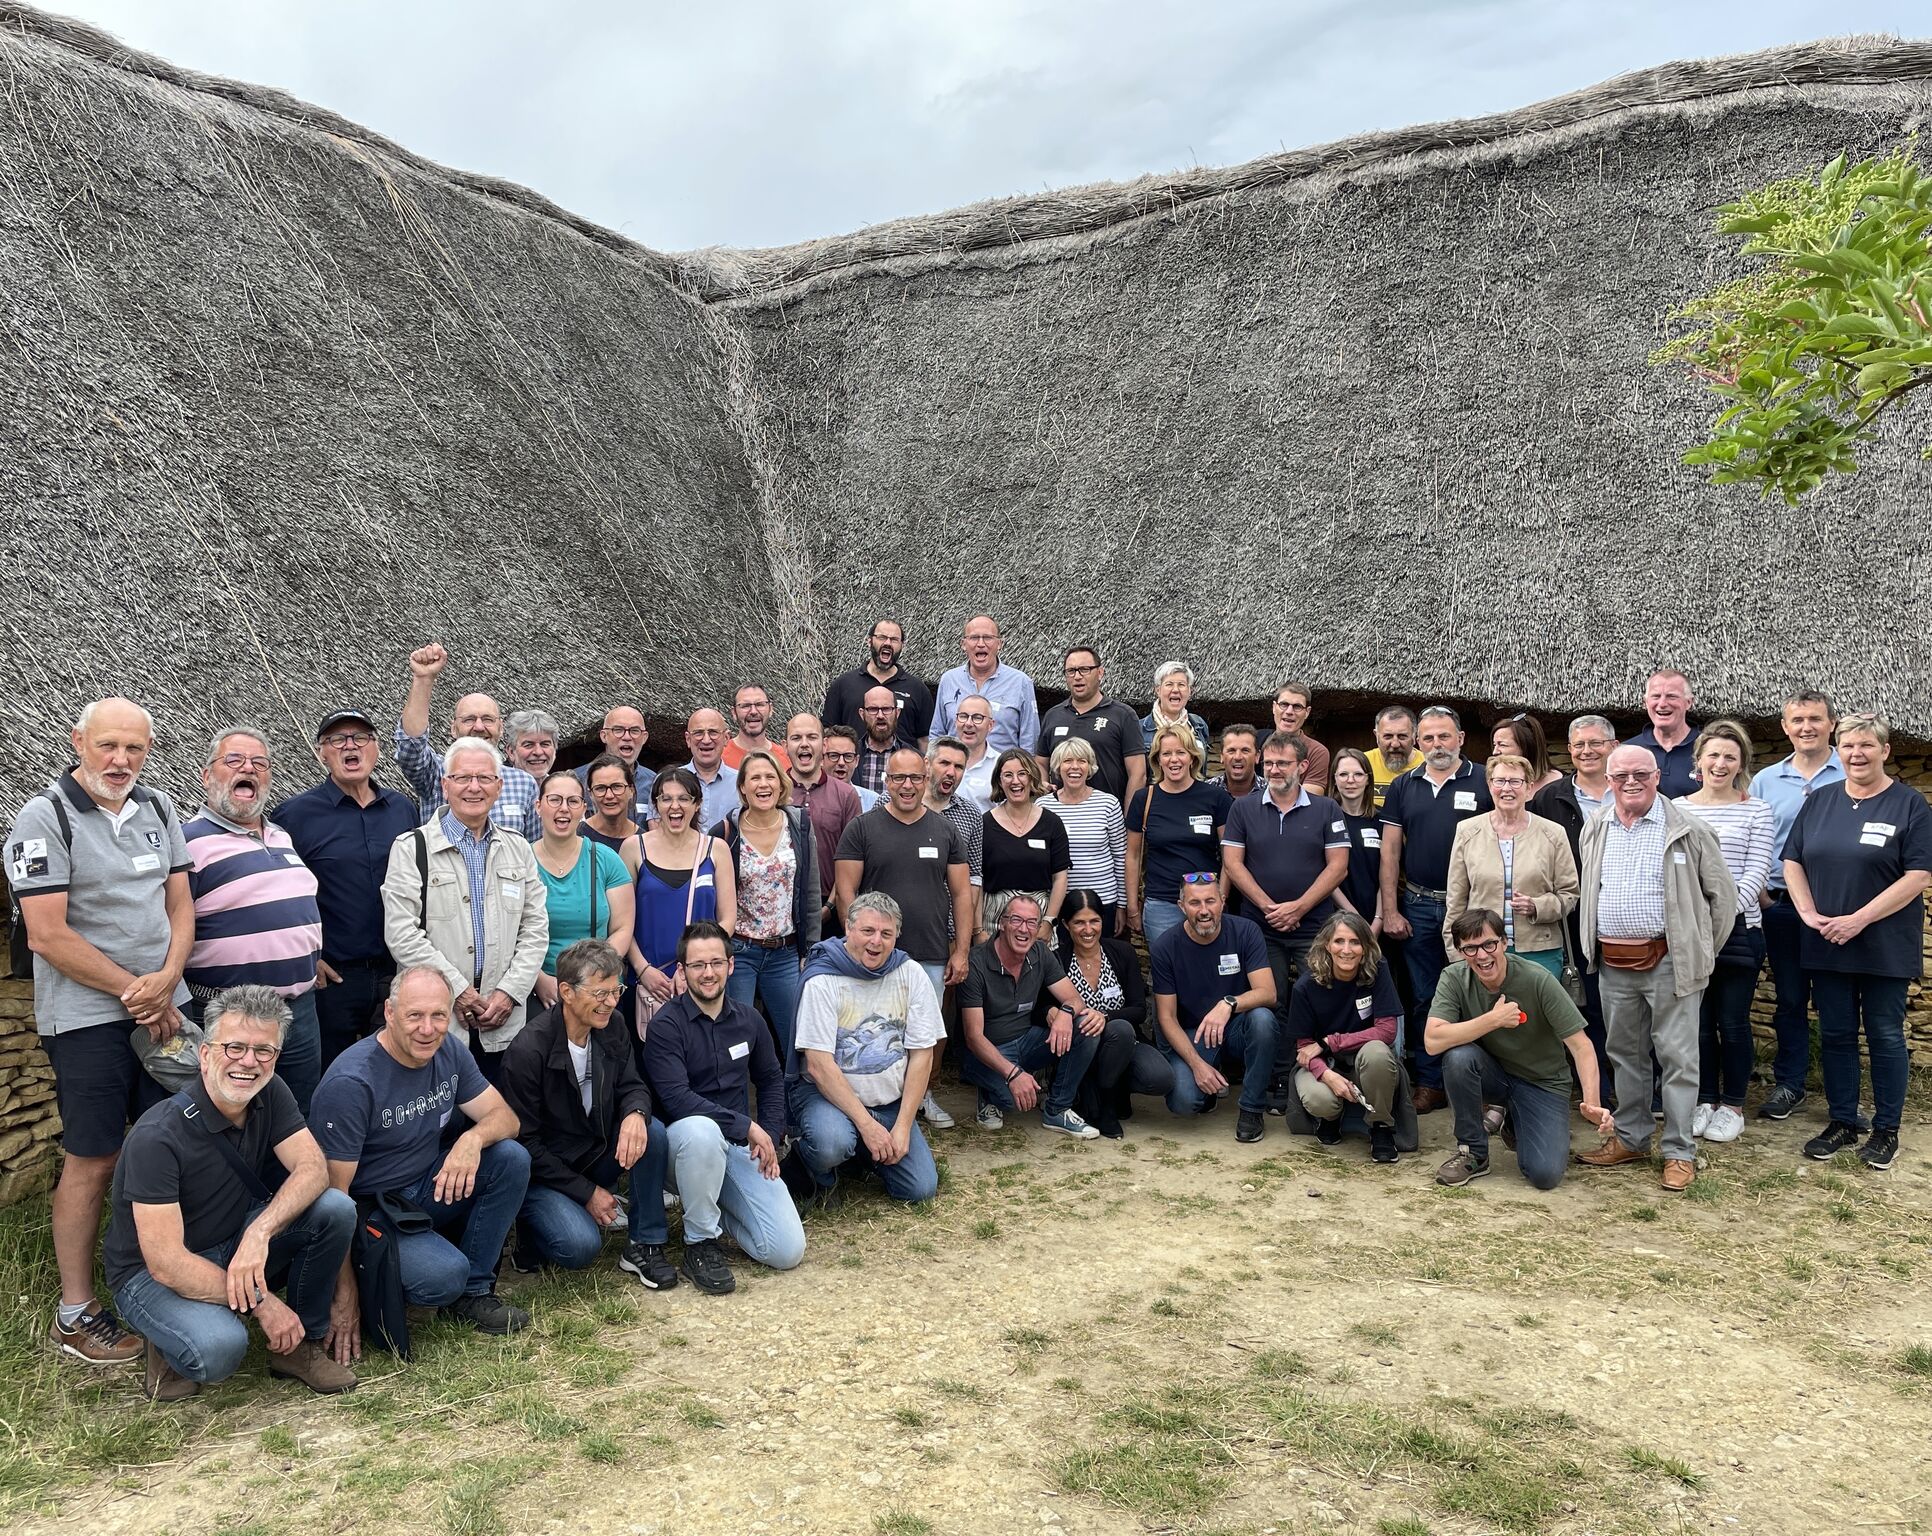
1174 827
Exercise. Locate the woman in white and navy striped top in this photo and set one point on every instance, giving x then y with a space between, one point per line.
1096 830
1744 831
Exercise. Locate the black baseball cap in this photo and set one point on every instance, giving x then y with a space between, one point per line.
342 717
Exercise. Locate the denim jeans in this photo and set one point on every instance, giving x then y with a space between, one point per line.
1647 1020
1156 917
1253 1036
348 1009
1848 1004
203 1340
1125 1064
721 1185
435 1271
1031 1053
1472 1078
1427 960
774 974
1791 983
828 1140
562 1231
1725 1048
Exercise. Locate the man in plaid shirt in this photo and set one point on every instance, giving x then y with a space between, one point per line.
477 714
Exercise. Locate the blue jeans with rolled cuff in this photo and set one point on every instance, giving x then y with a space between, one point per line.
1254 1038
562 1231
1031 1053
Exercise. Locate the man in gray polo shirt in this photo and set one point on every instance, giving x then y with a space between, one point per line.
101 872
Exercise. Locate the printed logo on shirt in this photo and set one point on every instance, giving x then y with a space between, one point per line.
438 1103
154 839
1465 800
1100 724
1203 825
1229 965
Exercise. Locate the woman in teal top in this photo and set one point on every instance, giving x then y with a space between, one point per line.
585 884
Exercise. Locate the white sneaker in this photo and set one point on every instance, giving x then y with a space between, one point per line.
1726 1125
936 1117
989 1118
1701 1121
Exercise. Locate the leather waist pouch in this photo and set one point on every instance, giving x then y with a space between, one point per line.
1631 954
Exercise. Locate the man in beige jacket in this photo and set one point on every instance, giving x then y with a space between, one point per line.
1657 905
463 897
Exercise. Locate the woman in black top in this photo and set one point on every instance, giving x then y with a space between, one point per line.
1106 973
1023 846
1351 783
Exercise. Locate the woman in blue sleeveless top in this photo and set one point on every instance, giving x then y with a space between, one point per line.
681 875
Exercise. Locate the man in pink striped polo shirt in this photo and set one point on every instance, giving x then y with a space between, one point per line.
256 918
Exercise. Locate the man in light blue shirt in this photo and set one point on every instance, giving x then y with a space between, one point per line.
1808 720
1016 714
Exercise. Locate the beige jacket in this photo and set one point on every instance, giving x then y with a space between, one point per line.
1700 896
1543 870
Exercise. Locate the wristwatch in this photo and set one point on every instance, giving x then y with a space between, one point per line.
1231 999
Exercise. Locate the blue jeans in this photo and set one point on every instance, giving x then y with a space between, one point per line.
1031 1053
203 1340
1156 917
721 1185
1472 1078
1848 1004
1427 960
1253 1036
1725 1049
828 1140
774 973
436 1271
1791 1019
561 1230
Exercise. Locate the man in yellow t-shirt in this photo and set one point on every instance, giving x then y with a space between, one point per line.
1394 752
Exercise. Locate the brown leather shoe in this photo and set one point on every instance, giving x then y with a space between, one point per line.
1679 1173
313 1366
1428 1100
165 1383
1610 1154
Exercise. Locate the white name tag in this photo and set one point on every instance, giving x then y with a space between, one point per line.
1465 799
1363 1005
1036 842
1873 839
928 853
740 1051
1677 856
36 847
702 882
143 862
512 891
1203 825
1230 965
1059 730
1339 827
1882 828
1371 837
292 858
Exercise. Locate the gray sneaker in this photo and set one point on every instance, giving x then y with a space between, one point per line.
1067 1123
989 1118
1462 1168
935 1114
1780 1102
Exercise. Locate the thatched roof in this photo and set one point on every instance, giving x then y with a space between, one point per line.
281 399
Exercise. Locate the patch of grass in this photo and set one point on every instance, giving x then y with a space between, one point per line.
1408 1525
961 1391
1799 1268
1031 1340
1642 1213
1163 1307
1513 1498
1066 1384
1532 1319
1161 1476
1280 1362
911 1417
600 1445
986 1229
1378 1334
700 1415
1916 1360
900 1522
1649 1463
1843 1211
539 1417
279 1440
474 1491
851 1261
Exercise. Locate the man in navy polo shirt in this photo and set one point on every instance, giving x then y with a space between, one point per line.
1109 727
1667 700
1420 815
1214 998
1285 852
344 828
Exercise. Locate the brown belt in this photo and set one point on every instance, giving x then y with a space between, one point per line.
783 941
1631 954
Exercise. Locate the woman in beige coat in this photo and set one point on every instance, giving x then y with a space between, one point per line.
1517 864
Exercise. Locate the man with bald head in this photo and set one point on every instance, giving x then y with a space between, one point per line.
624 735
706 733
100 869
829 803
1007 690
878 737
477 716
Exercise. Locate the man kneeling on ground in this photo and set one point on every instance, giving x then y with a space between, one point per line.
197 1245
703 1054
379 1114
586 1122
867 1025
1501 1025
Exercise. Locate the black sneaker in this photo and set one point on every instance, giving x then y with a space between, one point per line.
1382 1143
1835 1139
705 1267
1780 1103
1329 1132
488 1313
1248 1127
523 1255
647 1261
1881 1151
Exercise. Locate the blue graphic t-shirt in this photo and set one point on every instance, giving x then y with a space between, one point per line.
386 1118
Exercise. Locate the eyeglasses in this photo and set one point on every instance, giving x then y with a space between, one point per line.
1588 744
469 779
343 739
1014 920
877 709
238 1050
1509 783
599 994
1481 947
624 730
1632 776
235 761
609 789
706 965
1201 877
1079 671
563 800
840 757
905 778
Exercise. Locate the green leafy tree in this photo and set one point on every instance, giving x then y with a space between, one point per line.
1825 333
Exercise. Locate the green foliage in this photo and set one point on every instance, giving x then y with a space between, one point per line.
1825 333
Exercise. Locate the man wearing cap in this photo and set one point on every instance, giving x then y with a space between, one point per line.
343 828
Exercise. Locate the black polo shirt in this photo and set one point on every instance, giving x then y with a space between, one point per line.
1287 851
1006 1000
848 691
1429 816
346 847
170 1158
1112 730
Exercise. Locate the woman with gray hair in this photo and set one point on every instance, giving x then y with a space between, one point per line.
1096 830
1173 687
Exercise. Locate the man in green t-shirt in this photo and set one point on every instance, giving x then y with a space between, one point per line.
1502 1025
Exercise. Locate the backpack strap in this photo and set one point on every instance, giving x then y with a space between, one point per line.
422 873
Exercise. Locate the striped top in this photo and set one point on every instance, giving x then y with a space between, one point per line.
1097 838
256 918
1746 833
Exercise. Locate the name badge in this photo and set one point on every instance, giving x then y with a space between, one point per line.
1339 827
1465 799
1363 1005
1059 730
1677 856
512 892
1371 837
292 858
740 1051
1203 825
1229 965
1882 828
143 862
702 882
928 853
1036 842
1873 839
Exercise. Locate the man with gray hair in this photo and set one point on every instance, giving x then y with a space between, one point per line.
532 738
197 1246
477 716
464 897
98 866
257 921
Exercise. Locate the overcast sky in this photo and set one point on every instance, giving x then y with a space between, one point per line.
759 122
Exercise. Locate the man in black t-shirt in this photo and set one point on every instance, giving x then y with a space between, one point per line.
848 690
197 1245
1110 728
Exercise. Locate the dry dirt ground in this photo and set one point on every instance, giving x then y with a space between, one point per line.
1171 1333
